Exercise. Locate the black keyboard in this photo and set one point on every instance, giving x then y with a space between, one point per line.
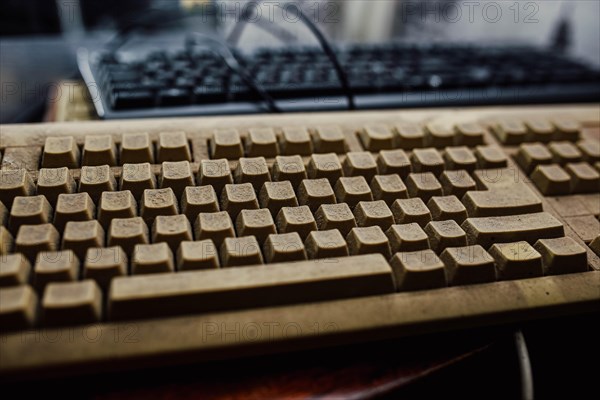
304 79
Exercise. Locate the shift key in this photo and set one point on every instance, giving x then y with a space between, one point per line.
515 199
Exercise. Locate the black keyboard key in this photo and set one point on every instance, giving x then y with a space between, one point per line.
174 97
128 99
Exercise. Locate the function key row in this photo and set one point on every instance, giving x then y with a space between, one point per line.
516 131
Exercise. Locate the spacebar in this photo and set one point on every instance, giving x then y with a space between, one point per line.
161 295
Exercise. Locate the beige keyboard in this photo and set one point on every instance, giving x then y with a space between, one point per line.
153 242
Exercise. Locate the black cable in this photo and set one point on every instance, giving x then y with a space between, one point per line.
525 372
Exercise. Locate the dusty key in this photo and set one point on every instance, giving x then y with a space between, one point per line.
565 152
393 162
267 285
197 199
226 143
238 197
258 223
157 202
275 195
360 163
54 181
469 134
530 155
457 183
289 168
551 180
152 259
468 265
202 254
540 130
127 232
490 157
447 207
73 207
326 244
137 178
15 183
284 247
443 234
99 150
18 307
511 131
370 213
295 140
173 146
460 157
215 226
376 137
116 205
136 148
427 160
104 264
72 303
26 157
528 227
439 135
315 192
335 216
171 229
351 190
325 166
176 175
31 210
595 245
32 239
406 211
296 219
388 188
561 255
409 136
79 236
14 270
3 214
6 240
215 173
241 251
584 178
261 142
517 260
590 150
368 240
424 185
407 237
95 180
327 139
418 270
517 199
568 129
55 266
252 170
60 152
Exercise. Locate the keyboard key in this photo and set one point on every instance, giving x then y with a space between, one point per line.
424 185
14 270
203 291
95 180
439 135
18 307
469 134
335 216
584 178
561 255
171 229
60 152
457 183
407 211
586 227
410 136
55 266
238 197
157 202
177 176
377 137
32 239
3 214
393 162
72 303
6 240
137 178
551 180
226 143
326 244
315 192
418 270
201 254
25 157
528 227
252 170
447 208
128 232
517 199
517 260
296 219
295 140
443 234
31 210
510 131
530 155
261 142
360 163
467 265
215 173
54 181
325 166
15 183
116 205
388 188
427 160
289 168
79 236
368 240
590 150
275 195
73 207
136 148
198 199
241 251
329 139
540 130
595 245
460 158
215 226
173 146
257 223
565 152
104 264
370 213
99 150
284 247
152 259
568 129
351 190
407 237
490 157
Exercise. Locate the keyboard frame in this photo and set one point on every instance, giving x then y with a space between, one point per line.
201 338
